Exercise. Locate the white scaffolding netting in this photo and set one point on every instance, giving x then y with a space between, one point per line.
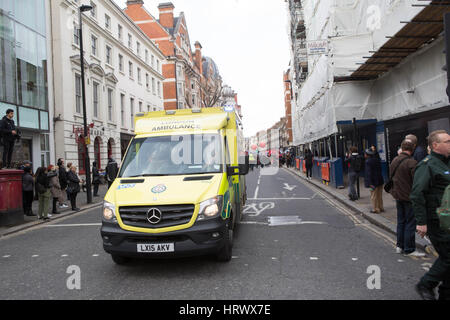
355 27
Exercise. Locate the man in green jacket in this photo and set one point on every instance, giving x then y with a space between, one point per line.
431 178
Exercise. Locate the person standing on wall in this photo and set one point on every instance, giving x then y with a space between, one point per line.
111 171
8 133
431 178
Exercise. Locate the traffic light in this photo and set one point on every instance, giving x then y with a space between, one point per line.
447 50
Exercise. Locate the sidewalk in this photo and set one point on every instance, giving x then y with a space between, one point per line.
33 221
386 220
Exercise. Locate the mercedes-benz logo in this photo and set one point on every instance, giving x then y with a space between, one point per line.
154 215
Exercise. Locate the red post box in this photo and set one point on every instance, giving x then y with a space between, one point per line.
11 207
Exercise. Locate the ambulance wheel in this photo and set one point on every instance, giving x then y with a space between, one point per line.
119 260
226 252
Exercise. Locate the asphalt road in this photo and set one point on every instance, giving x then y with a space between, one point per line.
293 243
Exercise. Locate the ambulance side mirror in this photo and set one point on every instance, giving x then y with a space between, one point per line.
244 166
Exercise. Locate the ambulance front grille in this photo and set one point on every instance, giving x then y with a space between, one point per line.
171 215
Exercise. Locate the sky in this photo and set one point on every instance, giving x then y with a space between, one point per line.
248 40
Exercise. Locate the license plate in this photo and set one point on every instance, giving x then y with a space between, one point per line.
155 247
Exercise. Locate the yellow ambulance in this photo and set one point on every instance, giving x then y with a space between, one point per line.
180 190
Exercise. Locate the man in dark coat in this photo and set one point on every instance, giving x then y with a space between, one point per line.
308 163
8 133
111 171
419 152
95 178
402 174
431 178
374 180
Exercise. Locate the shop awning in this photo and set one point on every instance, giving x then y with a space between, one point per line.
423 29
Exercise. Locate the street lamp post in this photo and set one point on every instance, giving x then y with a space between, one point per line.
87 167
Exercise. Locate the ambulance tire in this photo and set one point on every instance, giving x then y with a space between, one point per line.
119 260
226 252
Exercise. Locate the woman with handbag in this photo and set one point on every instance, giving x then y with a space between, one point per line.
73 187
44 194
95 178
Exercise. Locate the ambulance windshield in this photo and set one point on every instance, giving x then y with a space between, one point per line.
173 155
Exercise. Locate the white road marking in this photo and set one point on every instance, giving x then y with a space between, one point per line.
35 256
400 260
95 255
290 220
288 187
355 259
271 199
64 255
257 187
253 211
313 258
6 256
74 225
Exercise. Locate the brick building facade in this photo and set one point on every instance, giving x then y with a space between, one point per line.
183 68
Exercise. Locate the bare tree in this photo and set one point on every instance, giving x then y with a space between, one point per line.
211 93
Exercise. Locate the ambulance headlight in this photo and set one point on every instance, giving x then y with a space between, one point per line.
210 208
109 212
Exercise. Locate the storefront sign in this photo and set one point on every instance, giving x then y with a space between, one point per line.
317 47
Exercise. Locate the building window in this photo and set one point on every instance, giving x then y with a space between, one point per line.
119 32
138 48
147 84
77 93
110 105
159 89
81 155
139 75
153 86
130 41
148 108
108 55
45 150
107 22
76 35
132 112
122 109
146 56
94 10
130 69
97 151
153 61
94 45
140 106
120 62
95 98
158 66
179 70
